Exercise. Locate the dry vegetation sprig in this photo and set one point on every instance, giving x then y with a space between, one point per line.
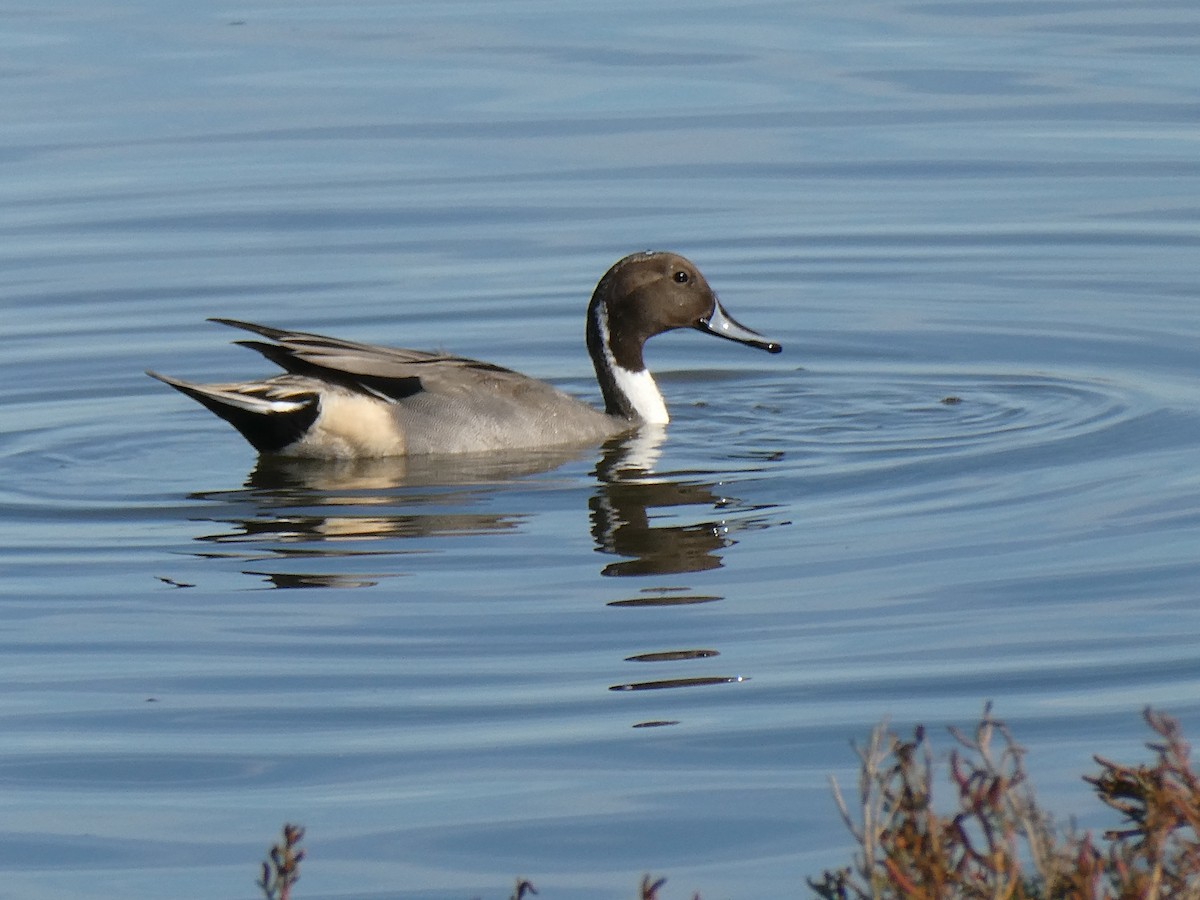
997 843
281 869
1157 853
649 889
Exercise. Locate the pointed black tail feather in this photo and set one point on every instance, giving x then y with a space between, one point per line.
269 428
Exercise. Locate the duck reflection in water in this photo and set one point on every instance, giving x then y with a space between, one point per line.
320 509
627 490
329 512
332 511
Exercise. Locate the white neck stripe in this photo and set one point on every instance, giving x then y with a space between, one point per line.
637 387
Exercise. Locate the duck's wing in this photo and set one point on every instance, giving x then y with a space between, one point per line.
387 372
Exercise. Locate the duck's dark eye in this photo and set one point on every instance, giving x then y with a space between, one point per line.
682 277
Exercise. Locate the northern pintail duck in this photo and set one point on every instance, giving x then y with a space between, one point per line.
342 399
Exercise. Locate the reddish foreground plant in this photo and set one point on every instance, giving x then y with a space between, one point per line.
282 867
997 843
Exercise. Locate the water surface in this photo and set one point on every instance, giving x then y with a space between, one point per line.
971 475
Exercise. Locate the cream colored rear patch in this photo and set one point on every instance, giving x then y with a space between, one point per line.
352 425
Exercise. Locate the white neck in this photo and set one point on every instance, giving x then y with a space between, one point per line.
643 394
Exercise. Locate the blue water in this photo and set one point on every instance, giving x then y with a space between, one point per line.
971 475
